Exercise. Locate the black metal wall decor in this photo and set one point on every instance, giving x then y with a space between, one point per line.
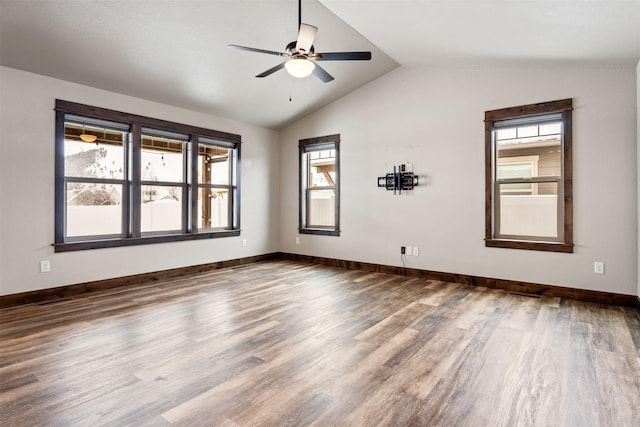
400 179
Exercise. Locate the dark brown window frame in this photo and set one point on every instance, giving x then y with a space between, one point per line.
303 145
565 107
132 234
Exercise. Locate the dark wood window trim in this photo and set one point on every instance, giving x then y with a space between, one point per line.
563 106
132 212
303 146
118 116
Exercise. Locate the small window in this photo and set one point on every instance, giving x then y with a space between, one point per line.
319 185
528 177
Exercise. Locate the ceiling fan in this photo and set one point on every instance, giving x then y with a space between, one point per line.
301 55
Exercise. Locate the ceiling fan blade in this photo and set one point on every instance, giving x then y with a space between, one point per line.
253 49
272 70
341 56
306 35
320 73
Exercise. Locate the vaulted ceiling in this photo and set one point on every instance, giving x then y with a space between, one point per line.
175 51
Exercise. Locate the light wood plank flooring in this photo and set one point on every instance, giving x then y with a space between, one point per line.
285 343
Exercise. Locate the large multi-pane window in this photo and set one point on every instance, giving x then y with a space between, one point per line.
123 179
528 165
319 185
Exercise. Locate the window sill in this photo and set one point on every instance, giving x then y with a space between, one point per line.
319 231
528 245
114 243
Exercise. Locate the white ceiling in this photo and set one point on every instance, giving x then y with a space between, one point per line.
430 32
175 51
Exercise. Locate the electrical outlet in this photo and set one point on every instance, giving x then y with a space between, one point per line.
244 242
416 251
45 266
598 267
297 240
409 251
403 250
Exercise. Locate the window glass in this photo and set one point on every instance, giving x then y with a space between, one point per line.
322 168
90 160
213 164
322 206
544 146
551 129
515 170
527 131
102 158
161 208
528 209
321 180
93 209
528 214
216 185
93 180
162 159
213 208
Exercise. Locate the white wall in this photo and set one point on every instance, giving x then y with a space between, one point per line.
638 164
27 190
433 117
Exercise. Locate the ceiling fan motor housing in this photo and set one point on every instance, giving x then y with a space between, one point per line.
291 48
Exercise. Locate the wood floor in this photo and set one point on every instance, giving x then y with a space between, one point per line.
286 343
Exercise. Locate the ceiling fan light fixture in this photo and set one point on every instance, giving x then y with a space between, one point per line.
299 67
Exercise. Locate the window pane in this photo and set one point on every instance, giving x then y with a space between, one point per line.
539 156
93 209
161 208
507 133
551 129
529 215
515 170
521 188
322 168
102 158
162 159
213 164
213 208
527 131
322 205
